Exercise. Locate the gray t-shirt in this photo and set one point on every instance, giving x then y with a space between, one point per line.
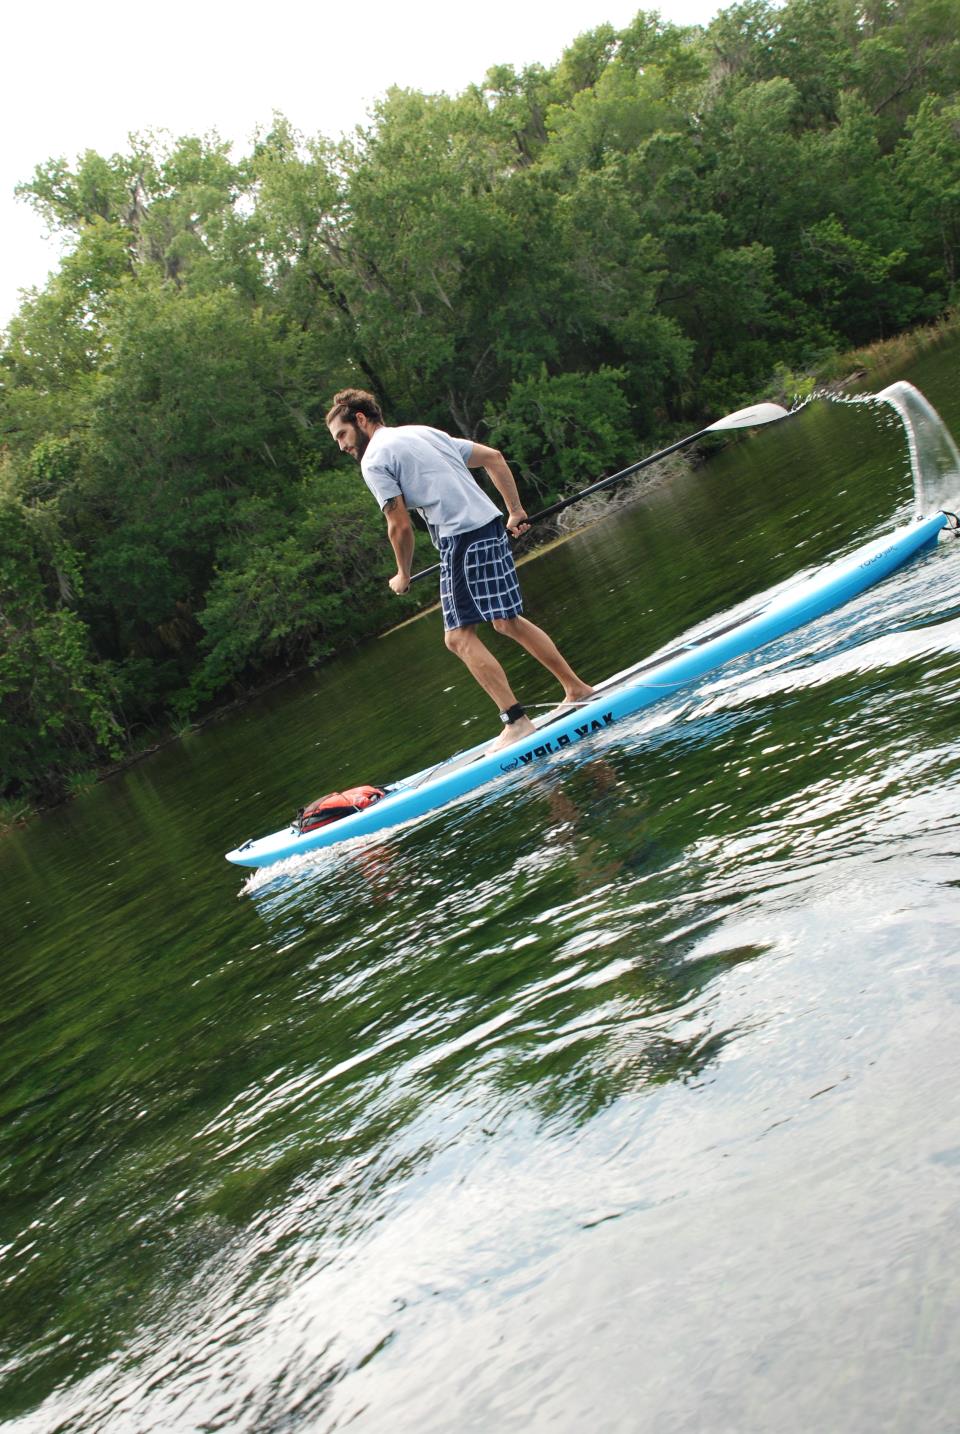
428 469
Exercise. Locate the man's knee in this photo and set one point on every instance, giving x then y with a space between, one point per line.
458 638
506 626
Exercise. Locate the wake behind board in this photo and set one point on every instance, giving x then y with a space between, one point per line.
619 696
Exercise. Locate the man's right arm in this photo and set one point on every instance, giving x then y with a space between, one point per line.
503 480
400 533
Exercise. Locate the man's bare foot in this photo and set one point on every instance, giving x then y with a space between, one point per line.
515 732
573 698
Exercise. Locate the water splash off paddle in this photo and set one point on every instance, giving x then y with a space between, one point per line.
934 457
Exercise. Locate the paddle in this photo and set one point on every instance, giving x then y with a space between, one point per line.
752 417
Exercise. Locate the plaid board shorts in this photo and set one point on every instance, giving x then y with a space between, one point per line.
478 579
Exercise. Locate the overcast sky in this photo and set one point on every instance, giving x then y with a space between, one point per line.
85 76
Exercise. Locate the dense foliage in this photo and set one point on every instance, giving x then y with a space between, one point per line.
565 262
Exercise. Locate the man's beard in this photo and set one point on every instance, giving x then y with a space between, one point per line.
361 444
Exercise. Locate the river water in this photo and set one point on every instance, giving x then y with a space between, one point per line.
625 1102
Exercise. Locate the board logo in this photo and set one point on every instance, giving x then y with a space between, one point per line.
557 744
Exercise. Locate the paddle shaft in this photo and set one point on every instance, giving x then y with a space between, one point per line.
752 417
593 488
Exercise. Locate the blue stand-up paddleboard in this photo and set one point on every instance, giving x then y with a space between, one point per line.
620 696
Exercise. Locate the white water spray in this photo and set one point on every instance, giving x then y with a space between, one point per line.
934 458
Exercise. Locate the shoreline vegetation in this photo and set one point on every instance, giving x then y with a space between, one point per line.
571 263
869 364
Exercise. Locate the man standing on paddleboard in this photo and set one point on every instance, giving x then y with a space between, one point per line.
421 468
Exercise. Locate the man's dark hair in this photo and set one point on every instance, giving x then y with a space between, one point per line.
351 401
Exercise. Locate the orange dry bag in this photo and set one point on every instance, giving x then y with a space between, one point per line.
335 806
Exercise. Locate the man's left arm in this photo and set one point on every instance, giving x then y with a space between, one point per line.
503 480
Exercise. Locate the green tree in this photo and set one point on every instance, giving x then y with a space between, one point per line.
298 592
928 169
167 205
56 704
565 430
187 420
907 50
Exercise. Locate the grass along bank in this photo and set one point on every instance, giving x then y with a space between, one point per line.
870 365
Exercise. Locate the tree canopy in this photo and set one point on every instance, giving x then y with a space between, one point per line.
567 262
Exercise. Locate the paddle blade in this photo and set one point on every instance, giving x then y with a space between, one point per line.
752 417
